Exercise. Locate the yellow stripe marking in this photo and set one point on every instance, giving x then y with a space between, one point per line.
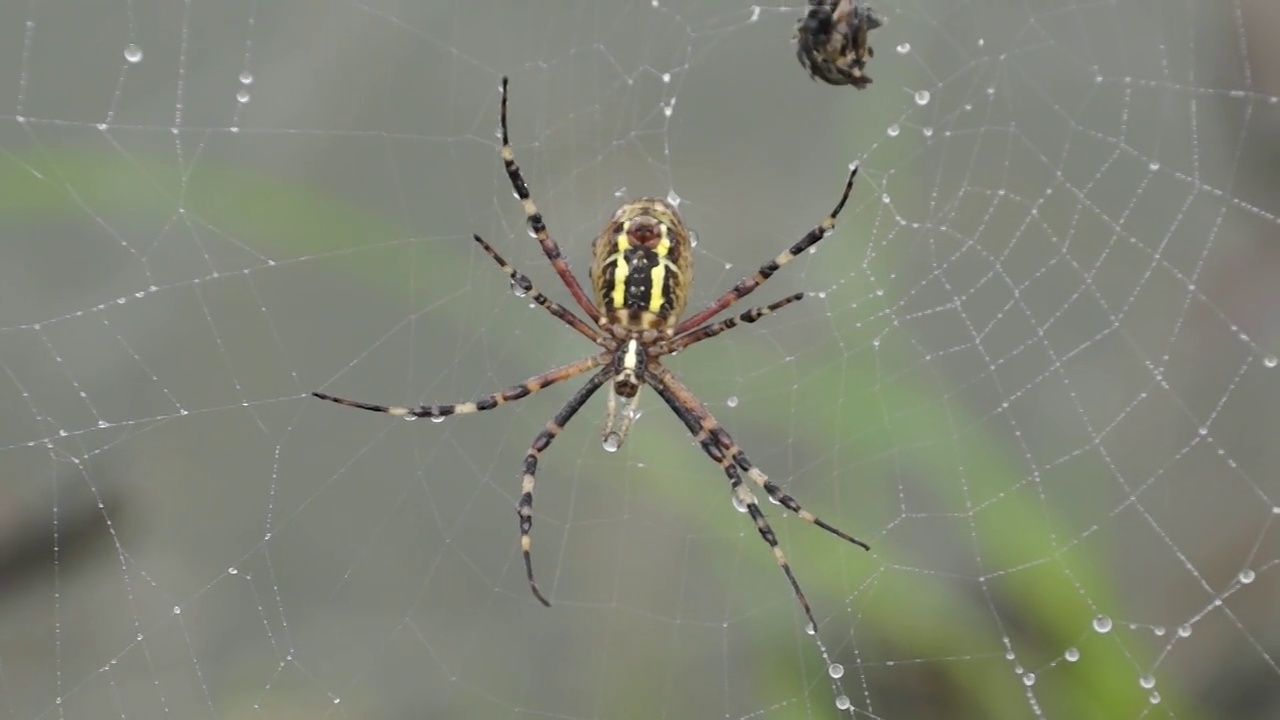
620 270
659 273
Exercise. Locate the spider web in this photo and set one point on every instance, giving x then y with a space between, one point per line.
1034 369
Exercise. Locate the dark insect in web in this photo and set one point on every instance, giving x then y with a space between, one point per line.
831 41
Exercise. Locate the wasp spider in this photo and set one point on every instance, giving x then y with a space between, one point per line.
831 41
641 269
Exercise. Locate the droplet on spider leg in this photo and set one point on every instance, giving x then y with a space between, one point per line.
518 290
611 442
739 504
437 418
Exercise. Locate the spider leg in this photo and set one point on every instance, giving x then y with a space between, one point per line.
524 508
484 402
707 332
549 246
709 433
773 491
704 422
522 281
748 285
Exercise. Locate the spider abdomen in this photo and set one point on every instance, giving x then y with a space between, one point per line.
642 265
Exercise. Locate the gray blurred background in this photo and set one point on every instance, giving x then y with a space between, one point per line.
1034 369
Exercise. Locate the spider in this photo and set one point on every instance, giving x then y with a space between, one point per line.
640 274
831 41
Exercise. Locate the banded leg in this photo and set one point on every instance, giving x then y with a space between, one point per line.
549 246
524 508
707 332
523 282
684 409
485 402
748 285
718 435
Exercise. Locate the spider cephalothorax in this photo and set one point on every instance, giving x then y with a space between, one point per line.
831 41
641 269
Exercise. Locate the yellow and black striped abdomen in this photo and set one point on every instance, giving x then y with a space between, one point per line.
642 265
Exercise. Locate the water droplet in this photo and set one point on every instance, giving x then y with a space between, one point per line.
246 78
177 610
666 77
809 629
1158 630
1072 654
132 53
842 702
518 290
673 199
437 418
922 97
732 401
835 670
893 130
1203 429
693 238
242 96
904 48
928 131
755 14
738 503
232 571
1246 576
1102 624
611 442
1270 361
1153 166
1029 679
981 42
1154 698
1147 682
1184 630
